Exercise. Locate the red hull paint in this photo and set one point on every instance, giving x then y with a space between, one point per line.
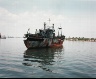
57 44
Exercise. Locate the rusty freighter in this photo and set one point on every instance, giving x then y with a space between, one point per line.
45 37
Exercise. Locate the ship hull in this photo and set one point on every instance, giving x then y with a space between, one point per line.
43 43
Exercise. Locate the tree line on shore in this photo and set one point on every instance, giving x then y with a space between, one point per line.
80 39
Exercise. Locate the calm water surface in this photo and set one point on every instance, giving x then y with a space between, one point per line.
74 59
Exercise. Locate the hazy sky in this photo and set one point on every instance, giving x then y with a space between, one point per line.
76 17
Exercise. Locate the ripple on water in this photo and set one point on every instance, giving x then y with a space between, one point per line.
75 59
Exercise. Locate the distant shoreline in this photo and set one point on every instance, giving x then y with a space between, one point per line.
81 39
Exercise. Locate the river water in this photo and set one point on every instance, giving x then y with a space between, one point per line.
74 60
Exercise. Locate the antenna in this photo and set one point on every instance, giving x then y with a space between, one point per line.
49 20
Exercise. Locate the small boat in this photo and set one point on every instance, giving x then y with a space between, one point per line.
44 38
2 37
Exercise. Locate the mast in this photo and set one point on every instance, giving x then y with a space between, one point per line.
60 29
58 32
0 35
49 20
44 25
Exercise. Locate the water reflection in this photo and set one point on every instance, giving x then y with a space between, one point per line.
41 57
